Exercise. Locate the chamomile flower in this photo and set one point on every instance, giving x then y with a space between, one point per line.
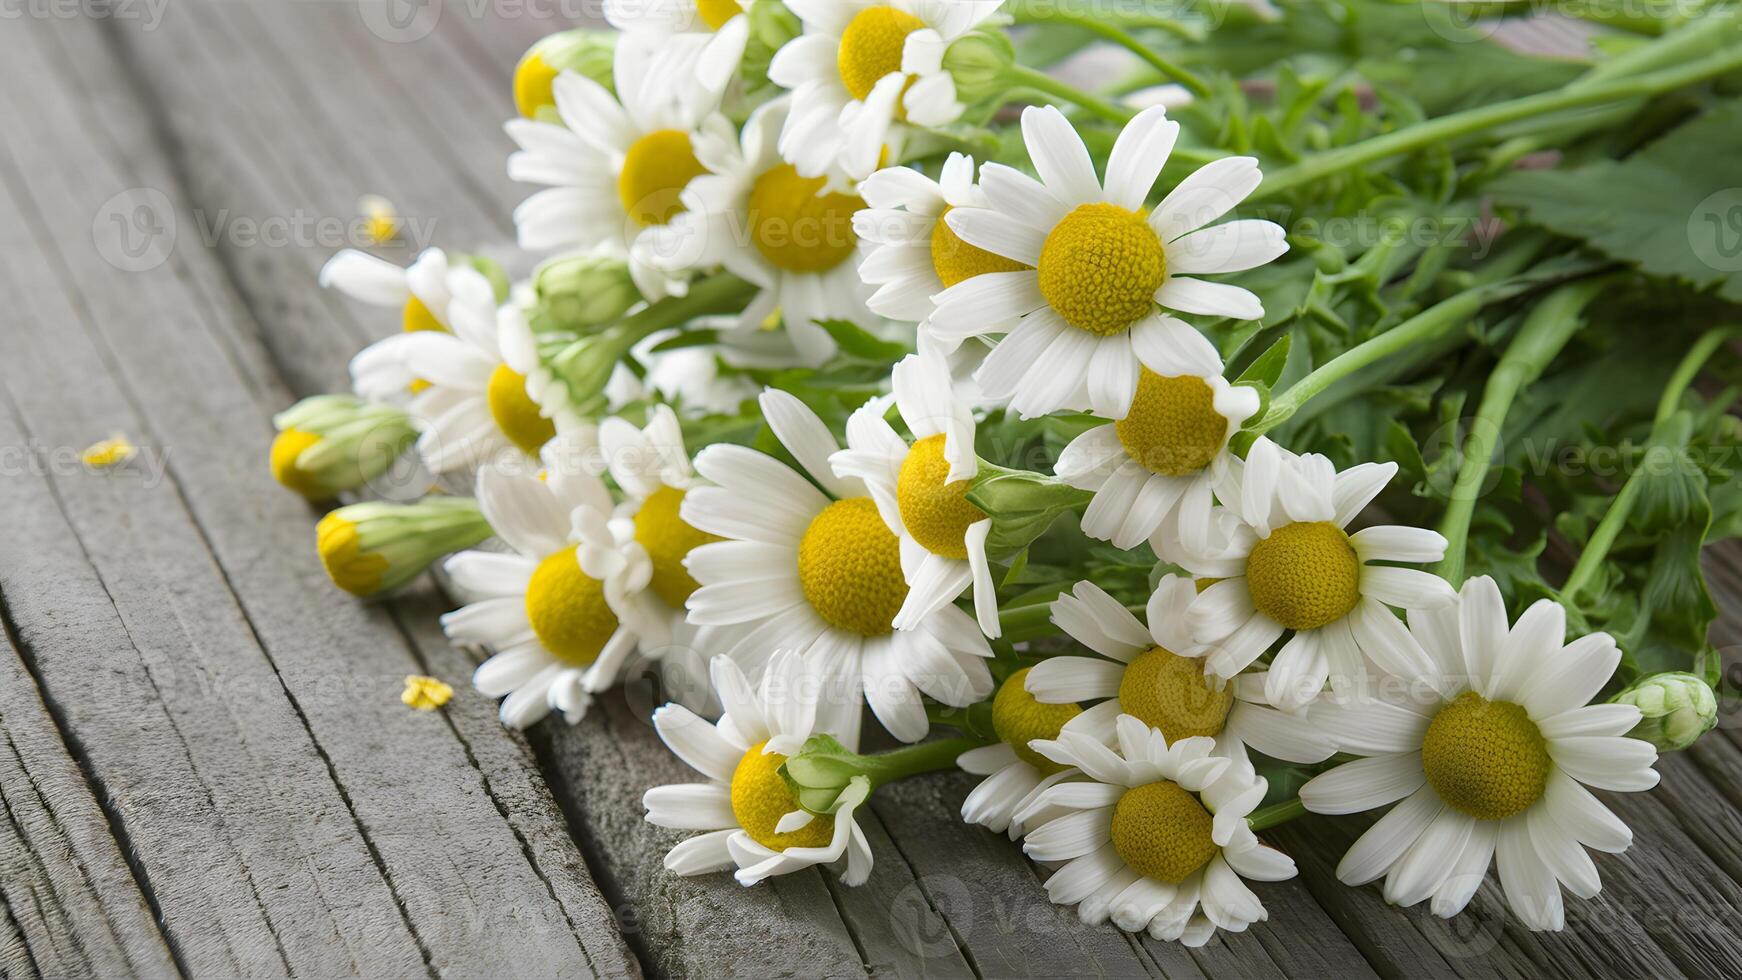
1290 567
921 490
1490 750
864 69
616 167
1014 772
562 613
1156 838
711 33
791 236
1154 673
914 254
817 571
1085 310
749 815
422 291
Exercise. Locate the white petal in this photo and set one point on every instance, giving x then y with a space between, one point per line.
1364 784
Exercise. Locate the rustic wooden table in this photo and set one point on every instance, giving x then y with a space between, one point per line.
204 768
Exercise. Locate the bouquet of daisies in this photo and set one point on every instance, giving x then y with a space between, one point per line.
1186 418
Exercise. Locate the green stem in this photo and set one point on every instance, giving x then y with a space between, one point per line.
1603 538
1450 127
886 767
1022 77
722 293
1276 813
1548 329
975 720
1118 36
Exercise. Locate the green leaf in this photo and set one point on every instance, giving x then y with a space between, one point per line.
854 340
1267 368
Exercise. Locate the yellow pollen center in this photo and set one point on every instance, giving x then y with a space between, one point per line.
1100 268
935 512
656 169
872 45
417 316
760 798
715 13
668 538
954 260
849 565
1162 832
567 609
1486 759
1173 427
515 412
798 228
341 554
1304 575
1167 691
532 84
1018 719
286 447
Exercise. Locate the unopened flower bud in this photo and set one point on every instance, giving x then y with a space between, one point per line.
579 292
329 444
375 547
979 62
1022 504
587 52
1678 708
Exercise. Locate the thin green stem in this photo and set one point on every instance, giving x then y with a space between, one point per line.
1276 813
722 293
1548 329
1101 28
1023 77
886 767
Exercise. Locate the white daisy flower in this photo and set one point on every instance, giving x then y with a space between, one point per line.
750 817
864 69
1290 567
1156 674
1156 838
1083 315
1015 773
792 236
564 611
465 374
921 490
711 34
617 165
1154 472
914 254
817 571
1490 751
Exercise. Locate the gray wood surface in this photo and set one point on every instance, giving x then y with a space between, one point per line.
204 769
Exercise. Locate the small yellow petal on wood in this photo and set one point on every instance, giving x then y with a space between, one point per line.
380 219
425 693
113 451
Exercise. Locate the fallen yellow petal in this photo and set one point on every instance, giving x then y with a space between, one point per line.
380 219
425 693
113 451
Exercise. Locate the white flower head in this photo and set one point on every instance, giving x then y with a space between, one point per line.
1155 673
749 816
1156 838
864 69
1490 749
709 36
1289 566
812 567
1085 310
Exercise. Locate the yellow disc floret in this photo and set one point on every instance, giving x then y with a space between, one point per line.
872 45
668 538
1162 832
849 565
515 412
1485 758
1018 719
1304 575
286 447
567 609
532 84
796 226
1100 268
350 568
936 512
760 798
417 316
1173 427
655 171
954 260
1167 691
715 13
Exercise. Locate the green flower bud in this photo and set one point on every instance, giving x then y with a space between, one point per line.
329 444
582 366
375 547
1678 708
587 52
979 61
820 775
1022 505
579 292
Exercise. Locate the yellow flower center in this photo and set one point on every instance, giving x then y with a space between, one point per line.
1100 268
871 47
849 565
935 512
1167 691
760 798
1173 427
955 260
286 447
1018 719
656 169
715 13
1304 575
1485 758
532 84
417 316
567 609
668 538
798 228
515 412
1162 832
350 568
